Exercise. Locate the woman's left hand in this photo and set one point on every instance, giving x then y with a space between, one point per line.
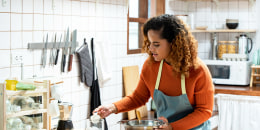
166 126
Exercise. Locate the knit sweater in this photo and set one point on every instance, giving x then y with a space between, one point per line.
199 89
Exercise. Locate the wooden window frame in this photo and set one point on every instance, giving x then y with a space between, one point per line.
157 8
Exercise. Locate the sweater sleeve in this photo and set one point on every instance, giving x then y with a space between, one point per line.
204 99
138 98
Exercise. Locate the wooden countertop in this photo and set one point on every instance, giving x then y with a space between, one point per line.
238 90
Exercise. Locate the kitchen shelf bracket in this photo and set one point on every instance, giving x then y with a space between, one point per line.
50 45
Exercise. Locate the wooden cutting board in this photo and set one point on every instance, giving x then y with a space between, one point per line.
130 81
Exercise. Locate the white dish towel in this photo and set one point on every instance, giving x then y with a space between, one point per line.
102 64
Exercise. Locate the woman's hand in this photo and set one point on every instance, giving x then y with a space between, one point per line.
106 110
166 126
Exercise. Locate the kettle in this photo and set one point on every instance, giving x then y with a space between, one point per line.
243 42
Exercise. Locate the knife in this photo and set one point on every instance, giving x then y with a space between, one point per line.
57 52
72 49
52 53
45 52
65 51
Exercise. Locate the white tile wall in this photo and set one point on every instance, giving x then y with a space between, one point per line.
29 21
5 43
214 15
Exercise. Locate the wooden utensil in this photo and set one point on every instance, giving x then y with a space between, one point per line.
138 116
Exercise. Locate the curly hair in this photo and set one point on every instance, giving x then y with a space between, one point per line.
183 54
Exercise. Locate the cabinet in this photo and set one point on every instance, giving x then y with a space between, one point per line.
42 90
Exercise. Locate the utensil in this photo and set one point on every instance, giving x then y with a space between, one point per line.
138 116
52 53
72 49
58 49
65 51
44 52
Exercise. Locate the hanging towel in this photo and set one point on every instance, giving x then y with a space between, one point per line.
103 66
94 89
86 67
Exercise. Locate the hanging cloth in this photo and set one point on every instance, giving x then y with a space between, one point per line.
94 89
86 66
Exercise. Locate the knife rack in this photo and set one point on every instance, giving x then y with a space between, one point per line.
50 45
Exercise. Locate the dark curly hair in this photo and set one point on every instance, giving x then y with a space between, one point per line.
183 55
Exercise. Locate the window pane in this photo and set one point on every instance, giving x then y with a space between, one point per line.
133 35
133 8
149 8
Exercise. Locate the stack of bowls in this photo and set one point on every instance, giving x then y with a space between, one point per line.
232 23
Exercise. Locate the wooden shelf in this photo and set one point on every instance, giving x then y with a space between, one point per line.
35 92
225 31
29 112
238 90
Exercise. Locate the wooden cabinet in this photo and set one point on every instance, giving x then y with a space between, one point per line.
42 90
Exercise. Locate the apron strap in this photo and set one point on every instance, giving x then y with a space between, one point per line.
183 89
159 75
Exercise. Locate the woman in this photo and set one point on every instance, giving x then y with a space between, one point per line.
177 80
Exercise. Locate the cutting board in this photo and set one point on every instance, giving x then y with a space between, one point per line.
130 81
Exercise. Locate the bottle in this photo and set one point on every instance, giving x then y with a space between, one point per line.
214 47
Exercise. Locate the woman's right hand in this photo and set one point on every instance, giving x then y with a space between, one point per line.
105 110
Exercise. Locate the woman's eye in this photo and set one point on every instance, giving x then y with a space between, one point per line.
156 45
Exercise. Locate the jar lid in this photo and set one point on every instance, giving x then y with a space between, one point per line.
231 41
222 41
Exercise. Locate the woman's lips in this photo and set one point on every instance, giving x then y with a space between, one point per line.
154 55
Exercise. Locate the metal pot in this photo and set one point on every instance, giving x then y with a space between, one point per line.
140 125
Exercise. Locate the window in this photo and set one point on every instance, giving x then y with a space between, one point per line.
139 11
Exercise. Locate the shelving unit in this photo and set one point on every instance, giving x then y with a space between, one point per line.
225 31
43 92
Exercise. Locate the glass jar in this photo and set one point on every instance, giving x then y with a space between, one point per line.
222 48
232 47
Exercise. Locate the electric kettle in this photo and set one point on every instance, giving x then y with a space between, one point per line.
243 41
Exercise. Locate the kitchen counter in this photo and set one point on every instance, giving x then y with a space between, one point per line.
238 90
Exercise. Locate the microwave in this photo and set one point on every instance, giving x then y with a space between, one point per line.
229 72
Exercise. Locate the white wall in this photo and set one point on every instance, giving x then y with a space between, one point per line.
213 15
27 21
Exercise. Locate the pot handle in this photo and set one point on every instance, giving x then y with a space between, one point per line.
251 45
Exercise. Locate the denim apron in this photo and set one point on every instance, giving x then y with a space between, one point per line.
174 107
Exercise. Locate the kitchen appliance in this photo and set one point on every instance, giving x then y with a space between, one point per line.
65 122
243 44
140 124
229 72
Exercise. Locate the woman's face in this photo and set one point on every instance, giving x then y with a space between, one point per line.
160 48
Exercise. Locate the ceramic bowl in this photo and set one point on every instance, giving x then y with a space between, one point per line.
232 23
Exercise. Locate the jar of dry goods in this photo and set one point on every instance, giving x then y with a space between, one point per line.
232 47
222 48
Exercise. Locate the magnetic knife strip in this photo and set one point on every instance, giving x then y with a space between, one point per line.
40 45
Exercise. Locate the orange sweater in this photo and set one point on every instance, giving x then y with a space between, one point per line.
199 88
